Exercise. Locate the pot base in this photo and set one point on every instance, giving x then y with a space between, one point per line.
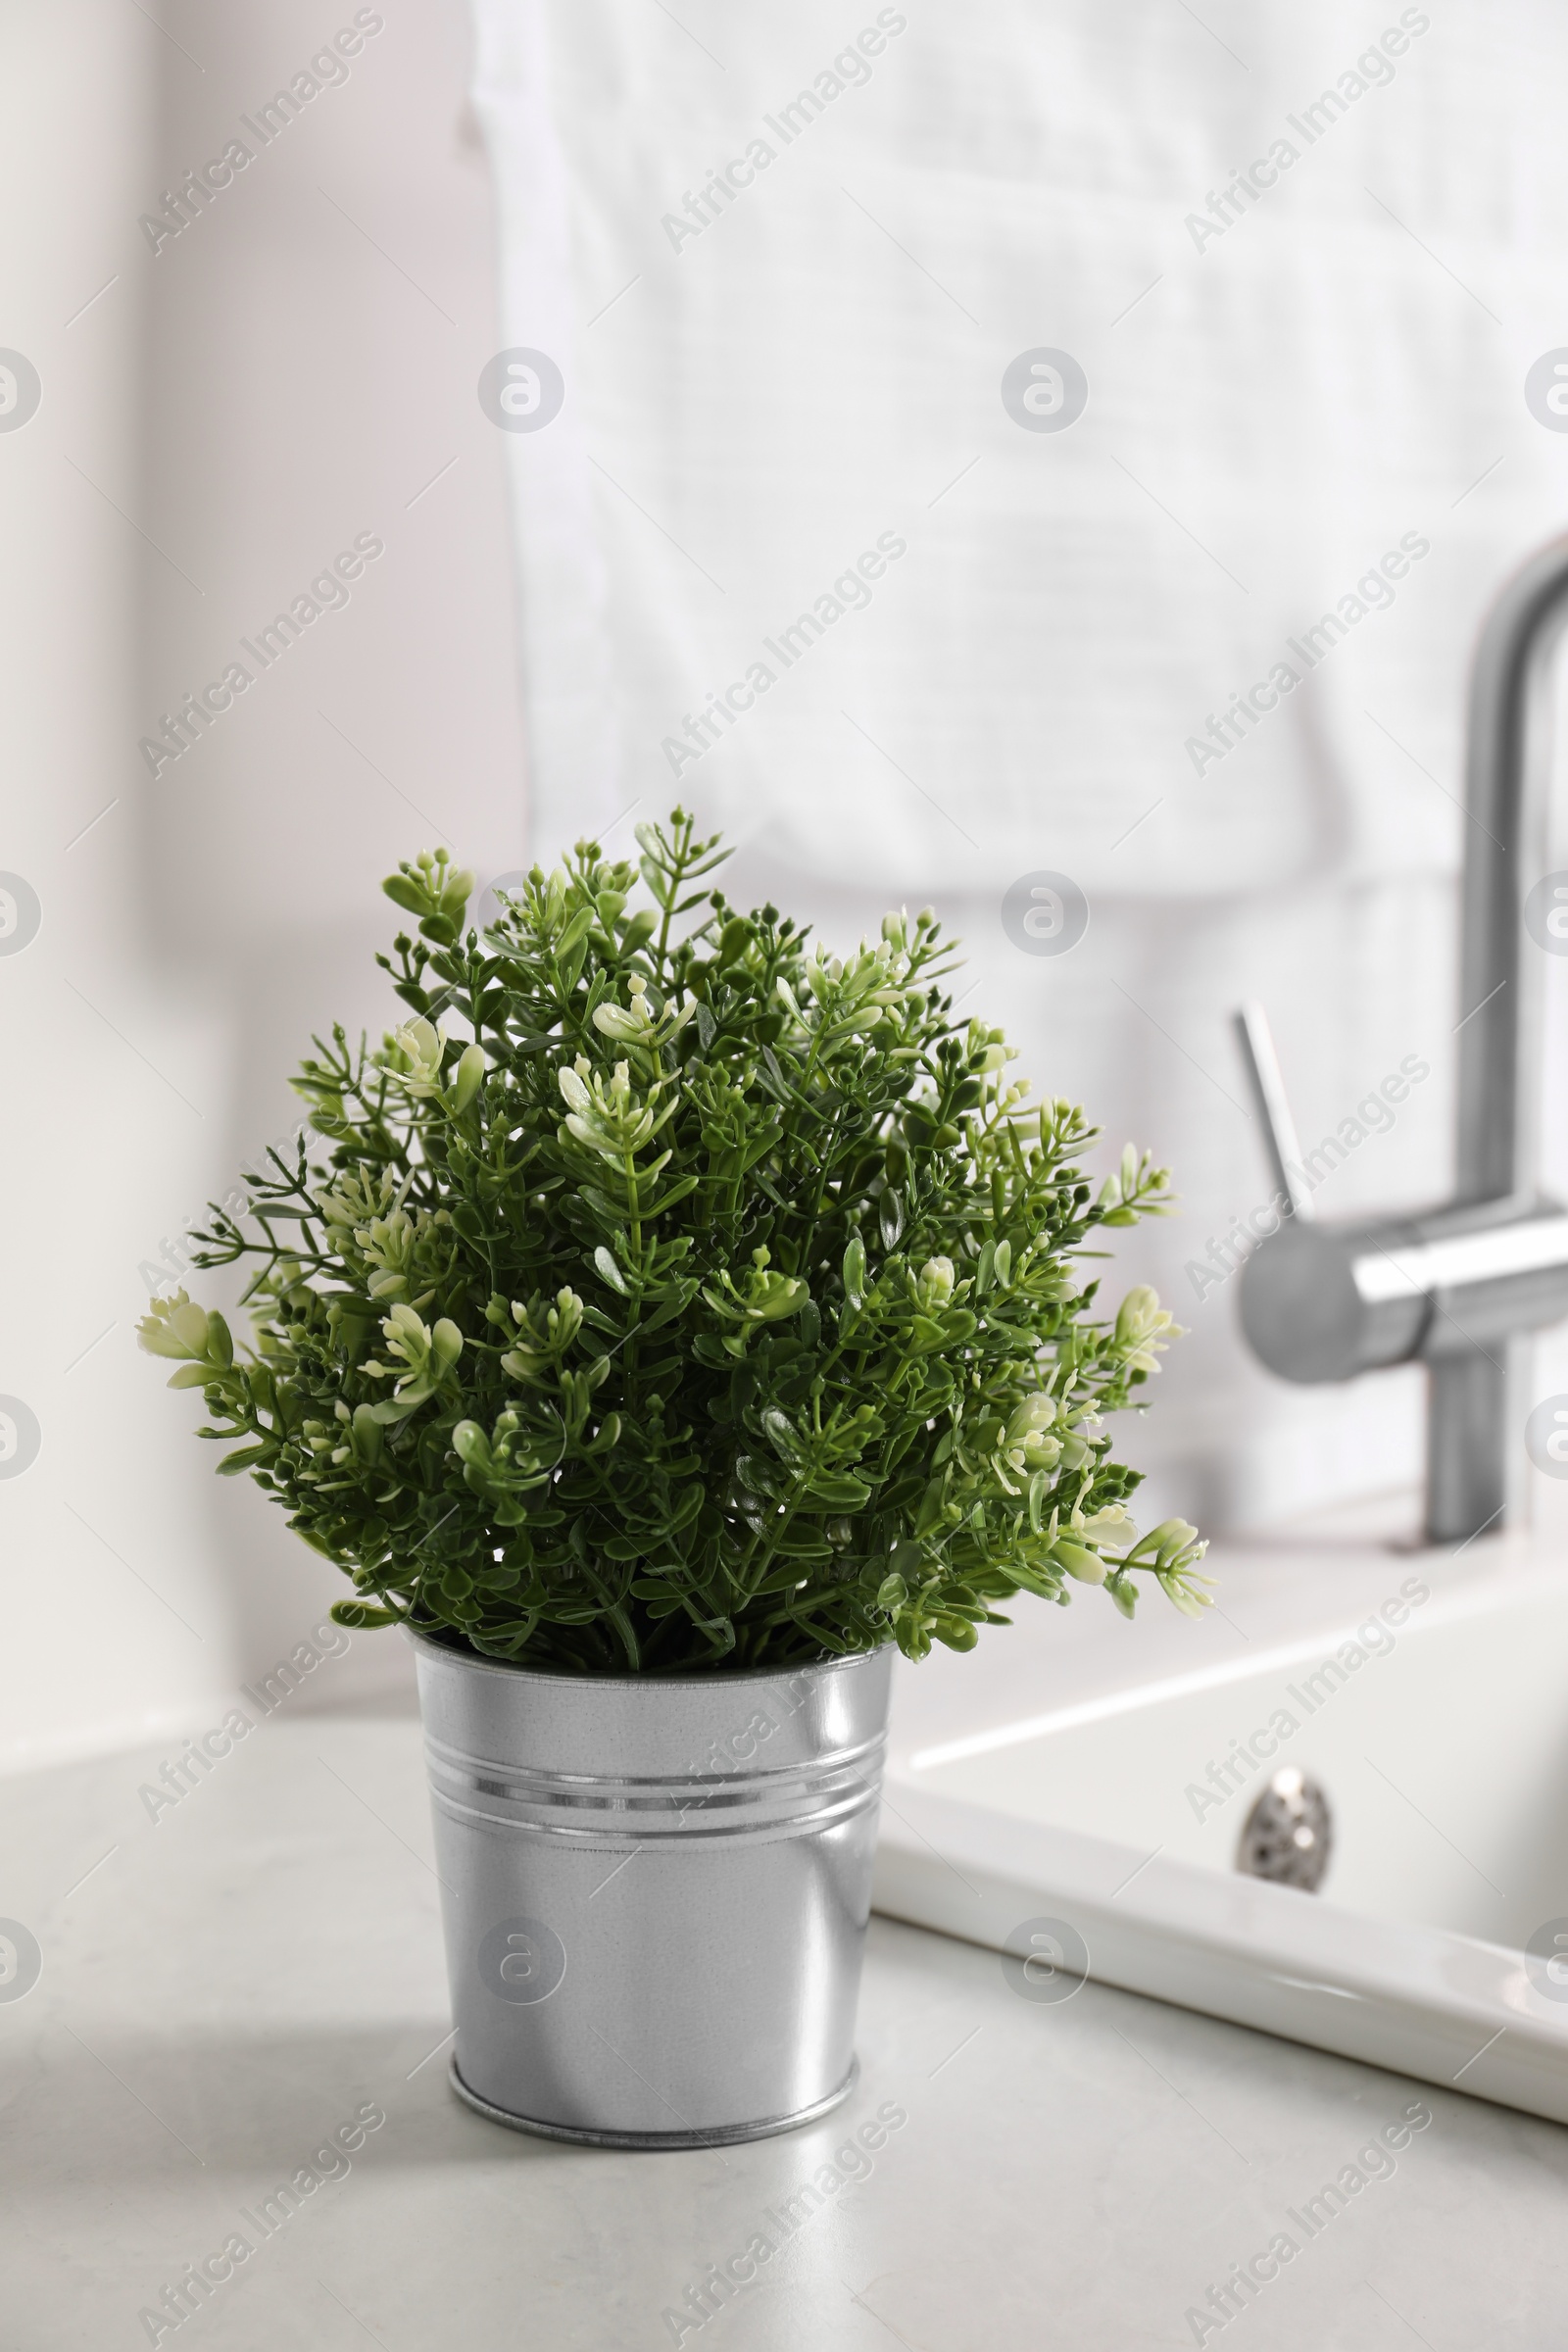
722 2136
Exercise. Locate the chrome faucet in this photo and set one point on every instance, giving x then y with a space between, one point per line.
1450 1286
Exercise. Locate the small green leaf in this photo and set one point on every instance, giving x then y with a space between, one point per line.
1087 1566
575 932
781 1435
802 1540
611 1272
838 1493
471 1443
956 1632
246 1459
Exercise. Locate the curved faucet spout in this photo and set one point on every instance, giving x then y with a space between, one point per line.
1458 1286
1496 1102
1506 773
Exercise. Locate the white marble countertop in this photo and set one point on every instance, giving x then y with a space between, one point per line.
229 1983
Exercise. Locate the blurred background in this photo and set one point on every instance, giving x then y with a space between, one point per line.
981 401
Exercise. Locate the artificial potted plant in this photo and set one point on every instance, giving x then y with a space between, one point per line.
691 1325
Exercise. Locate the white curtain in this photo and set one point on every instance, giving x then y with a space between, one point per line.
818 544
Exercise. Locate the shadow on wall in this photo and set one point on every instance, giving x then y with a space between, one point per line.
317 334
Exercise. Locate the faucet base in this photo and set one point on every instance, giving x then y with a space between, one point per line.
1466 1448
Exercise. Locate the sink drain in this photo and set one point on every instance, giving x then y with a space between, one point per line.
1288 1835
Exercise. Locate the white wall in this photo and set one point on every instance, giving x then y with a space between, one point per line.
241 404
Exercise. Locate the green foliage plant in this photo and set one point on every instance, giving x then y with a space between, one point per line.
696 1300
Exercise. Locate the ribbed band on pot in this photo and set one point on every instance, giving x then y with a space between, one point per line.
765 1801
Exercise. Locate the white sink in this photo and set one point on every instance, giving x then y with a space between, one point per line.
1062 1772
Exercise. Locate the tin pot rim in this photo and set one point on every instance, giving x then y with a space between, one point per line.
421 1640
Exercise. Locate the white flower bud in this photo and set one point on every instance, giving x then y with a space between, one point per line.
936 1282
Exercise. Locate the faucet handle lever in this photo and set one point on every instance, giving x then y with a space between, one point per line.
1268 1093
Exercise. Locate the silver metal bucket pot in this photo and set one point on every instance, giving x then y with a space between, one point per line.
655 1892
